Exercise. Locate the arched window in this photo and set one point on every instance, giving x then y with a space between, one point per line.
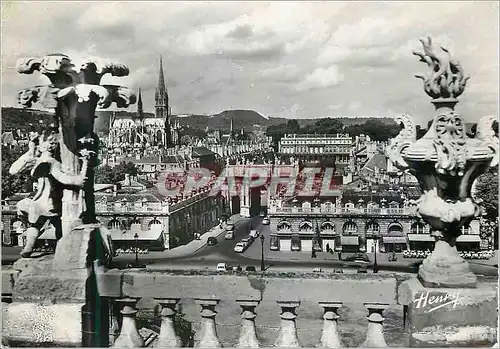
134 222
395 229
350 228
305 226
349 205
328 226
372 228
394 204
154 224
284 225
114 224
418 228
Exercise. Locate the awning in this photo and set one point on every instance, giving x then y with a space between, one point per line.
394 240
421 237
469 238
349 240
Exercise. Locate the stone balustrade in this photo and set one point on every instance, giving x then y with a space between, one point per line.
284 292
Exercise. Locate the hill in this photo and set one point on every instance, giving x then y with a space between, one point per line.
13 118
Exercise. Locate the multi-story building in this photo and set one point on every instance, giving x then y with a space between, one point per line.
381 219
160 223
316 147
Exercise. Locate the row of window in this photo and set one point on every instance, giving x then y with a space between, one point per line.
351 228
124 224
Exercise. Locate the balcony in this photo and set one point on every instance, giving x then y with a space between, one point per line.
275 309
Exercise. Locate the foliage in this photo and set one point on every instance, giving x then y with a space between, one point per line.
21 182
186 140
378 131
487 193
108 175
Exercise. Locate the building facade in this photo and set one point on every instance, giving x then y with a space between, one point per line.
315 147
356 222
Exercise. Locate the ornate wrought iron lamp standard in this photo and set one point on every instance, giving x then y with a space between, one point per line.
262 265
136 237
446 163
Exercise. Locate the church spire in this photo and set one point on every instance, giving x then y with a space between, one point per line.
140 111
161 95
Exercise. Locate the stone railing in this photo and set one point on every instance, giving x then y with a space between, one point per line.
343 210
268 292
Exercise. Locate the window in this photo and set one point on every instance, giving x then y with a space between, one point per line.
305 226
114 224
372 228
466 230
306 205
154 223
296 243
350 228
284 225
418 228
328 226
395 229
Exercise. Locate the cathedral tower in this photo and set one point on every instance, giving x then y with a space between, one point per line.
161 106
140 110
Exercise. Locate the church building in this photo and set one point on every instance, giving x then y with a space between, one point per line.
139 130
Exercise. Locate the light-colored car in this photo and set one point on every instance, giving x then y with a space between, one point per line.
230 226
254 233
245 241
229 235
221 267
265 221
239 248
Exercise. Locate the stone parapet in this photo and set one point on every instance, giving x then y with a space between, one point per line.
439 317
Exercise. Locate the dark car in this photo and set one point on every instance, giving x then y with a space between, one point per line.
250 268
362 270
359 258
212 241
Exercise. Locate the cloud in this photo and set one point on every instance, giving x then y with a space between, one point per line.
321 78
290 59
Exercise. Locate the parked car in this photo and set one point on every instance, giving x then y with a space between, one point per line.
358 258
229 226
229 235
254 233
317 270
362 270
237 268
221 267
265 221
212 241
250 268
239 248
246 241
262 214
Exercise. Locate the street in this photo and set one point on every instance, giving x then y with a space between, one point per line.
207 257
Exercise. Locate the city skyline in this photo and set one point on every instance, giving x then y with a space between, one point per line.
294 60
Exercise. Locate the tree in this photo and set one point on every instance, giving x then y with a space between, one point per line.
293 126
486 193
18 183
108 175
185 140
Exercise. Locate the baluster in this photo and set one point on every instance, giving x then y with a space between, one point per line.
248 336
114 330
208 338
288 331
375 333
168 338
330 337
129 335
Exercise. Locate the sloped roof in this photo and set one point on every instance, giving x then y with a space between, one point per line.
202 151
377 160
110 198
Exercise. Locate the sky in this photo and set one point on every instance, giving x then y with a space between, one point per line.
281 59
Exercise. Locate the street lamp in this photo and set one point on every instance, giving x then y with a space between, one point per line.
375 264
262 266
136 237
